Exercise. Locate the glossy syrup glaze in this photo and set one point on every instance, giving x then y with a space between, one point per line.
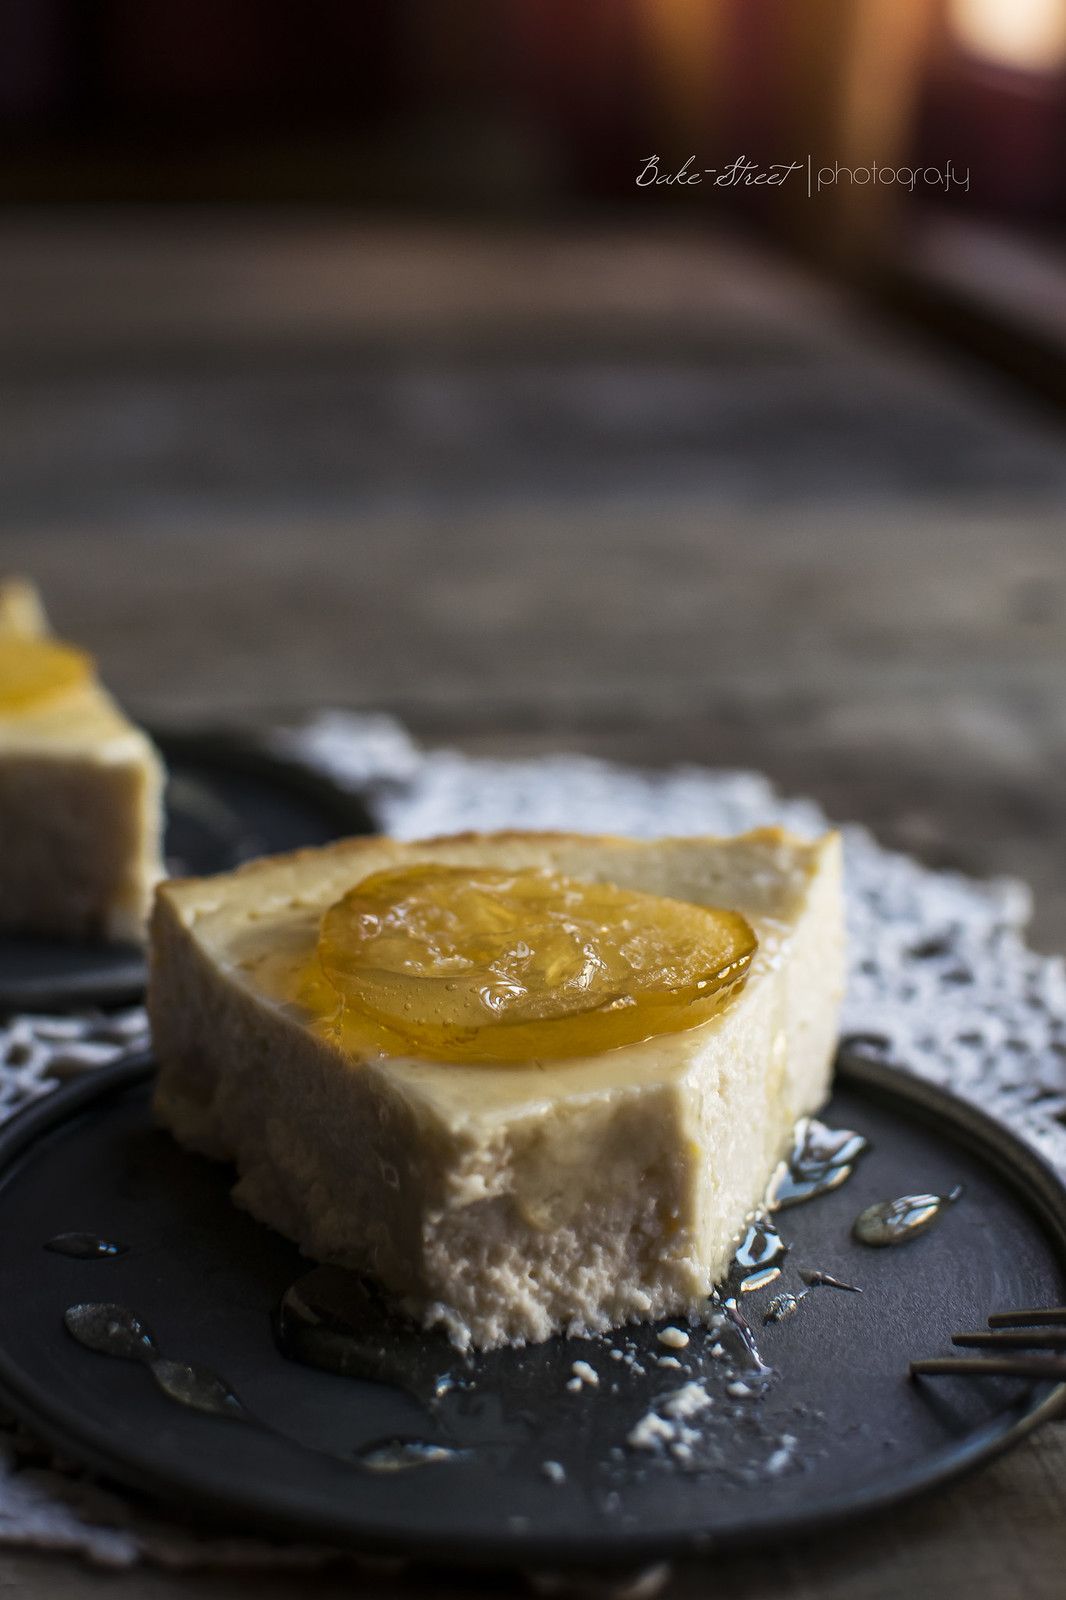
85 1246
483 965
338 1321
821 1159
403 1455
758 1257
115 1330
892 1222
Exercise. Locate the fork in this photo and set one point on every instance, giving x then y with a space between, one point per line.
1009 1344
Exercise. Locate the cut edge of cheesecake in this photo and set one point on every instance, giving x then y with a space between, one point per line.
81 804
503 1203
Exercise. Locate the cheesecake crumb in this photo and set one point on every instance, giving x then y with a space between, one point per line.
584 1374
671 1431
687 1401
781 1458
673 1338
650 1432
554 1471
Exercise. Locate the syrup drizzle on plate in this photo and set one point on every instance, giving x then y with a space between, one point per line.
402 1455
895 1221
85 1246
114 1330
821 1159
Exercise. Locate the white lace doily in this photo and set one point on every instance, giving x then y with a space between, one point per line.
941 983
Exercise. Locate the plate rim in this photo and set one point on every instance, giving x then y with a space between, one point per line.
1026 1172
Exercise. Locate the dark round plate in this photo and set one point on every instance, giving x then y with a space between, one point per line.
206 1279
227 800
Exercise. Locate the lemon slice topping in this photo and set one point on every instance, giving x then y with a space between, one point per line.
34 671
479 965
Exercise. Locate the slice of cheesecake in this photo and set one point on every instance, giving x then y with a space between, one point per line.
505 1202
81 789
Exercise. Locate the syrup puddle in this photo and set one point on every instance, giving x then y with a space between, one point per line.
333 1319
740 1327
816 1280
755 1263
401 1455
784 1306
821 1159
198 1388
114 1330
85 1246
895 1221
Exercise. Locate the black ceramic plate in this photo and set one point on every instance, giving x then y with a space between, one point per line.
226 801
206 1278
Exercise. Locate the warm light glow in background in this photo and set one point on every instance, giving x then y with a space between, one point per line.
1028 35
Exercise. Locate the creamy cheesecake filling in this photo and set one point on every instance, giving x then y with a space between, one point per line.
503 1201
531 1103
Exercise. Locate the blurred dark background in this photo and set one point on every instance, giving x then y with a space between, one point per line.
344 360
519 107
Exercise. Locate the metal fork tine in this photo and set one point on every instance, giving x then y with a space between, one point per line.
1039 1317
991 1367
1013 1339
1015 1350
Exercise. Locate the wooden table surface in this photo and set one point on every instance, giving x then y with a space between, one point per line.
651 495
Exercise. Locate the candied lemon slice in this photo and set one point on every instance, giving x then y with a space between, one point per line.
488 965
33 671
